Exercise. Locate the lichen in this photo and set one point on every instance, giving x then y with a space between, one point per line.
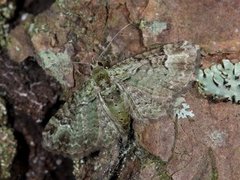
7 143
220 81
218 138
182 109
152 30
6 12
155 27
58 65
34 28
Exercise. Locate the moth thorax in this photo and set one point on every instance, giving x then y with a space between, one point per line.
101 77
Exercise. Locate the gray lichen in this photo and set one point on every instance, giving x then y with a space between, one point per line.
182 109
155 27
152 30
58 65
221 81
7 143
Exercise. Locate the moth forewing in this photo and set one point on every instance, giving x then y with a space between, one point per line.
156 77
81 126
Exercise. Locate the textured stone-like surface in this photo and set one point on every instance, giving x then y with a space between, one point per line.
29 94
7 143
208 143
19 46
157 137
71 27
135 24
7 9
23 85
83 25
90 25
190 20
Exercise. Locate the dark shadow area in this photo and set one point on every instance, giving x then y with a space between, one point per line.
20 163
31 96
33 7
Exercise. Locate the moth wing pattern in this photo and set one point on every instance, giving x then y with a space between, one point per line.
81 126
152 79
182 62
149 83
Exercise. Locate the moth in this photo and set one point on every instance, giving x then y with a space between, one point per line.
142 87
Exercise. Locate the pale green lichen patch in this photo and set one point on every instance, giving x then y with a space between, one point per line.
155 27
152 31
58 65
218 138
35 28
7 144
221 81
182 109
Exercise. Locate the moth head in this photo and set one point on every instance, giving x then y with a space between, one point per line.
100 76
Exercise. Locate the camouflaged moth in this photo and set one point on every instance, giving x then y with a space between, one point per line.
142 87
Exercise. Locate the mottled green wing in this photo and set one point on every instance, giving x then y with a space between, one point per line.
80 127
153 79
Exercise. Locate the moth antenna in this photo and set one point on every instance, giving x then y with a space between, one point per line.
83 63
110 42
106 48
